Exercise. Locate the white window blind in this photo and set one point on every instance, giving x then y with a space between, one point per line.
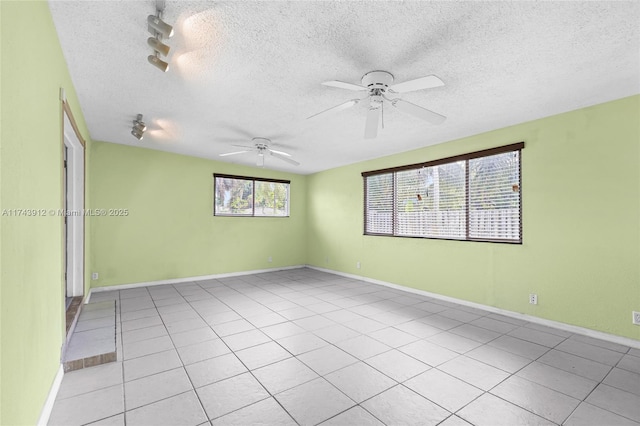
494 197
475 196
379 204
430 201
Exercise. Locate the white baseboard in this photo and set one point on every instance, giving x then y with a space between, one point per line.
188 279
625 341
51 398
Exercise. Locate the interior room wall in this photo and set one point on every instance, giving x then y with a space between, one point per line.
581 233
32 326
170 231
581 210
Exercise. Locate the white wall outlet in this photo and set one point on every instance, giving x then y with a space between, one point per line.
270 259
94 276
636 318
533 299
326 259
358 265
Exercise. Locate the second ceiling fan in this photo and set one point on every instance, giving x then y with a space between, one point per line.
263 146
378 85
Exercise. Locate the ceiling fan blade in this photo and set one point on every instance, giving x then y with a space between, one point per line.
418 111
233 153
427 82
343 85
284 158
273 151
371 127
340 107
260 160
238 130
243 146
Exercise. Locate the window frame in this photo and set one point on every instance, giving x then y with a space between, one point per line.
253 195
519 146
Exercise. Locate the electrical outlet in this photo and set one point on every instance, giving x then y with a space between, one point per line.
94 276
358 265
533 299
269 259
326 259
636 318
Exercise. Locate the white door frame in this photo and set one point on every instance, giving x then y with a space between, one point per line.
75 203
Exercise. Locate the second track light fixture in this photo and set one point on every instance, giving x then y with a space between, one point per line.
159 29
138 128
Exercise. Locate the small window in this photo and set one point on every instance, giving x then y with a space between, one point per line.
249 196
473 197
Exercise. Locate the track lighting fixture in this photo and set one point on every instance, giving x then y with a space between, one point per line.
158 46
158 63
138 135
159 26
138 128
138 124
159 29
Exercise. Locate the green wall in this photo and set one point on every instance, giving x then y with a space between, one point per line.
581 204
31 283
170 231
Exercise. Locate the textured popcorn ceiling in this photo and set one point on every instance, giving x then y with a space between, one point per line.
243 69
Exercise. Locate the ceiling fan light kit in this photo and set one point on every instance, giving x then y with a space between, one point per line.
378 85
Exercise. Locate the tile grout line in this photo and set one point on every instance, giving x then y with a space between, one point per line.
183 366
244 365
124 392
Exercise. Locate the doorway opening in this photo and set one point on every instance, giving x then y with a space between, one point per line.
73 203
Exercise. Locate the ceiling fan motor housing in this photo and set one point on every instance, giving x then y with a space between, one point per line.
262 144
377 82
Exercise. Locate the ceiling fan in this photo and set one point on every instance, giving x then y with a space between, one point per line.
262 147
378 86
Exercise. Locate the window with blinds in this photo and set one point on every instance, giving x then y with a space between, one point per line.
379 204
476 197
494 197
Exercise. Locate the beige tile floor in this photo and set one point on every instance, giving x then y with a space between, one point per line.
307 347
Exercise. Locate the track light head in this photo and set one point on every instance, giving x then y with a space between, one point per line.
137 134
138 127
158 63
138 124
159 26
158 46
